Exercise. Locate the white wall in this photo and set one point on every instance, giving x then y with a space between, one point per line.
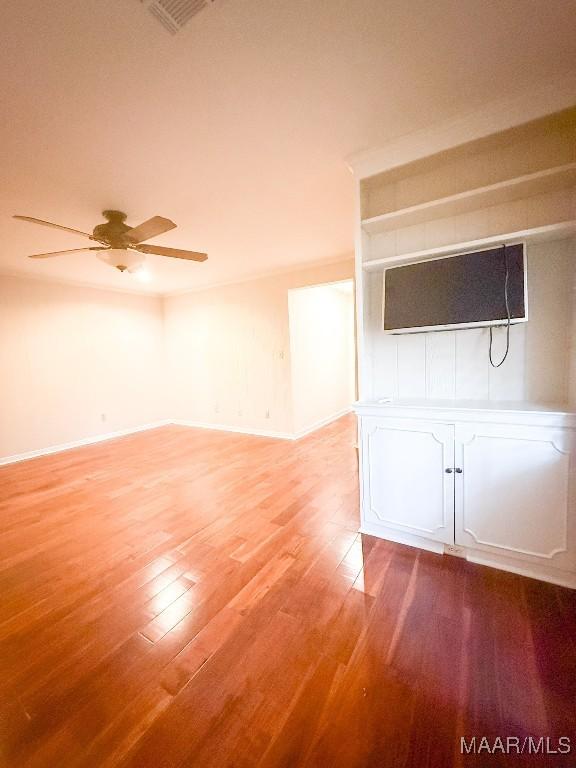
228 351
454 364
75 363
79 362
321 352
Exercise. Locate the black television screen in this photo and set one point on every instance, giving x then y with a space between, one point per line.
463 290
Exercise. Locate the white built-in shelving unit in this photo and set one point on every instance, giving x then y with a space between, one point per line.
513 185
518 185
528 185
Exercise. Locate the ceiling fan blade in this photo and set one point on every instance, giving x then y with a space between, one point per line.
175 253
154 226
54 226
60 253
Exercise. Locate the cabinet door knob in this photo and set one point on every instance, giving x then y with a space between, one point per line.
448 470
458 470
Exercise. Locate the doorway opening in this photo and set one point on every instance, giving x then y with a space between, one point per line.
322 352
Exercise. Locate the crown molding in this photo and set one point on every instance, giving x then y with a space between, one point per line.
143 292
286 270
16 274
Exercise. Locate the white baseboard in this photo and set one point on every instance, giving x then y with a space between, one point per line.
322 423
399 537
240 430
79 443
533 571
263 432
180 422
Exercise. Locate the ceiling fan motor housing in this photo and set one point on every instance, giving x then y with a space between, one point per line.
113 232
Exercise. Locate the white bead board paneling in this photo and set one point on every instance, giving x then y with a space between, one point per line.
455 364
385 367
472 378
441 366
380 348
549 333
449 365
411 356
508 382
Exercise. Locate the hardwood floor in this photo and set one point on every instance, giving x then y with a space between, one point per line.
190 598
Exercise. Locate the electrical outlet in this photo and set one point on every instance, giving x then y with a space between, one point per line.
267 415
453 549
102 417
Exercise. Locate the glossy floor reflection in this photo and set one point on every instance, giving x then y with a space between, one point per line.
190 598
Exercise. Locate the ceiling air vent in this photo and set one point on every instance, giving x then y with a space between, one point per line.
173 14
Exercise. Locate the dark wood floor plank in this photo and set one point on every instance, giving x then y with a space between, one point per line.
183 597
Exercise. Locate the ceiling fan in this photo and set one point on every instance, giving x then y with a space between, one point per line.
121 246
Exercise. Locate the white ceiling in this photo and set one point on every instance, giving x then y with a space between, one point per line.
238 126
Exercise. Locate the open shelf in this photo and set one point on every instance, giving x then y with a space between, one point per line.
519 187
547 232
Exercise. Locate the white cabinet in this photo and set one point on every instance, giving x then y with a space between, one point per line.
500 488
513 495
405 483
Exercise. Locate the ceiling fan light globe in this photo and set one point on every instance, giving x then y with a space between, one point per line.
122 259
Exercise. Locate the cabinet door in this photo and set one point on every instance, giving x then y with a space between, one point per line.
404 482
513 497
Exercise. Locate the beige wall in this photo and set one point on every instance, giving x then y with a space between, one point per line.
75 363
78 362
228 351
321 352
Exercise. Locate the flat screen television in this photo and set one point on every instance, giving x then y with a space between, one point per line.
463 291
